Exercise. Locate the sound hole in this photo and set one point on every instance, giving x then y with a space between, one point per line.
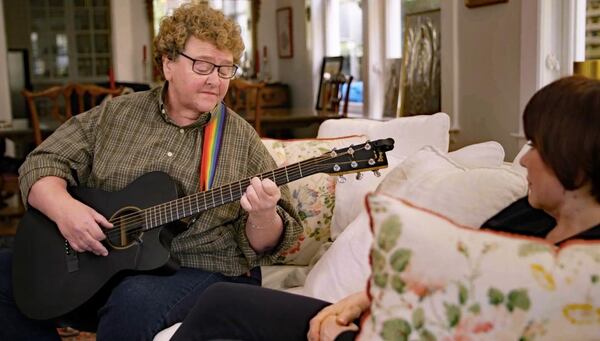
128 228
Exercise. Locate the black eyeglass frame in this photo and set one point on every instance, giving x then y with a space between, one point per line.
218 67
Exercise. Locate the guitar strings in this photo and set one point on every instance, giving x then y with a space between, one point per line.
154 213
134 222
138 218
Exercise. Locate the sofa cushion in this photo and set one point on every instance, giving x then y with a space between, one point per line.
313 196
409 133
344 268
469 196
433 279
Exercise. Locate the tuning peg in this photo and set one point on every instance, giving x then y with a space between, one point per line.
376 172
341 179
367 146
353 164
359 176
351 150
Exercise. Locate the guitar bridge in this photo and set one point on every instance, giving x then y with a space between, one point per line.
71 258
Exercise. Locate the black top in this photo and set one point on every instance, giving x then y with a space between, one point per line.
520 218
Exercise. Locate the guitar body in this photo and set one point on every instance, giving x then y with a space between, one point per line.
51 280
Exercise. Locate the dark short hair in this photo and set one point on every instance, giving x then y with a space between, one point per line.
562 120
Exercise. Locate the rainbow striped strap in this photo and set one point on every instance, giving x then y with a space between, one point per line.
211 145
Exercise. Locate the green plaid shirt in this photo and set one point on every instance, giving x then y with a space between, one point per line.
114 143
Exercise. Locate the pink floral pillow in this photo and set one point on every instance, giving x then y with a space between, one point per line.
435 280
313 196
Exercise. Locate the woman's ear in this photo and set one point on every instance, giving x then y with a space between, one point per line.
167 65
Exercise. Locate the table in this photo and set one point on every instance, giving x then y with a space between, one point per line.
291 122
21 134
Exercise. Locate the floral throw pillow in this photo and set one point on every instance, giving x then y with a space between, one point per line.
434 280
312 196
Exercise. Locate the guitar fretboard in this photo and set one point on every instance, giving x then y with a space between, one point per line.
202 201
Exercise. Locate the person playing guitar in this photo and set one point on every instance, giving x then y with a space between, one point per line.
183 129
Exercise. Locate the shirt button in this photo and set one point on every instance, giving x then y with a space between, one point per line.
169 154
163 111
181 131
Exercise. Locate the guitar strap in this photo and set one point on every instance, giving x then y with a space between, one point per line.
211 146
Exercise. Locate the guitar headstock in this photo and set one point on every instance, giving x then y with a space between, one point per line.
357 158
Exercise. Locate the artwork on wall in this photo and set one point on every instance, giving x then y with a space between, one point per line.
392 71
330 67
285 40
421 64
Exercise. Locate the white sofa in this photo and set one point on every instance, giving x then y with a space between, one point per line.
332 258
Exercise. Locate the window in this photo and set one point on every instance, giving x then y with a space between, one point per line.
70 40
345 38
592 30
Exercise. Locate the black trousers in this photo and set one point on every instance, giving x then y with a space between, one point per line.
228 311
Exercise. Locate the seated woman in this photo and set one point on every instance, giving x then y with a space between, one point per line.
561 123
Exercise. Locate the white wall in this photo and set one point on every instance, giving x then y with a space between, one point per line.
130 33
488 47
295 71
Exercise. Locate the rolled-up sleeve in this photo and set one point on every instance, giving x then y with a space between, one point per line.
67 153
261 161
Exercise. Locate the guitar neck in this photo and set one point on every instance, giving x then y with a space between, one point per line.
193 204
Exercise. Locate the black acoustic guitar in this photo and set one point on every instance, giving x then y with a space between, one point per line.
51 279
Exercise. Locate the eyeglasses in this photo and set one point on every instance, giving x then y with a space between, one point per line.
202 67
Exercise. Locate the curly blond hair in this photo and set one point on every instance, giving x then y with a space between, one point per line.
199 20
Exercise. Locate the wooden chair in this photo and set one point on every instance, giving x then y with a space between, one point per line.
54 103
90 95
332 95
243 97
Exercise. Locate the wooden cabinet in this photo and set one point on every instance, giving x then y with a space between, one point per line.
275 95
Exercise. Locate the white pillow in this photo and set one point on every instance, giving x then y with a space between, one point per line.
432 180
350 196
516 165
409 133
414 132
435 181
344 269
484 154
344 127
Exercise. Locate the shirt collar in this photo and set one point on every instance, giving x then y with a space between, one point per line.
202 120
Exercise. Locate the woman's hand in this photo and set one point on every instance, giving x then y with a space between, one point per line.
261 197
336 318
77 222
264 226
331 328
81 227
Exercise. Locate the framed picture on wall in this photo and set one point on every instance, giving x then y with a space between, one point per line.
331 66
420 92
285 40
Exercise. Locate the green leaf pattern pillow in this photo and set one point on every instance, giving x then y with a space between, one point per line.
434 280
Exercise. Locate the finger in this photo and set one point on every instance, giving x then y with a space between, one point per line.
252 196
101 220
96 232
97 248
245 203
270 188
75 246
257 186
314 331
348 315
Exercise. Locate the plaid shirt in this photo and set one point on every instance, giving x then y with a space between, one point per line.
114 143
